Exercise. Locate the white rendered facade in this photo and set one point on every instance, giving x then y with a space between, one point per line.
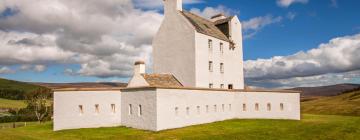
196 95
180 50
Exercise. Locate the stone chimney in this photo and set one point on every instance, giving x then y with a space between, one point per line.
218 17
139 68
172 6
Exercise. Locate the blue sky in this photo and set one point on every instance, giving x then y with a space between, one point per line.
96 45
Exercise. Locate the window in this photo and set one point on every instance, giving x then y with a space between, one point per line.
222 67
230 86
97 110
229 107
223 108
187 110
198 109
210 45
176 111
113 109
139 110
221 48
215 108
281 106
222 86
207 108
210 66
256 107
130 109
81 110
244 107
211 85
268 107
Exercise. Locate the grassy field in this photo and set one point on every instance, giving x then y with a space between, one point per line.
5 103
345 104
310 127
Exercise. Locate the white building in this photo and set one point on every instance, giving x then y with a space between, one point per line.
198 79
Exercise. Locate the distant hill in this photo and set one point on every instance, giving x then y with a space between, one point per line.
16 90
81 85
332 90
344 104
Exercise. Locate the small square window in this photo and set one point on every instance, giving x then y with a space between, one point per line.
113 109
222 86
221 47
211 85
97 110
210 66
230 86
81 109
140 110
210 45
130 109
222 67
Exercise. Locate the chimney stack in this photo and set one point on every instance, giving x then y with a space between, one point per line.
139 68
172 6
217 17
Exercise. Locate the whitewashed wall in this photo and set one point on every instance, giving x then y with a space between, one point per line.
67 113
232 59
169 99
147 99
173 47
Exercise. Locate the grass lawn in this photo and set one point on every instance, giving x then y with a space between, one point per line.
5 103
310 127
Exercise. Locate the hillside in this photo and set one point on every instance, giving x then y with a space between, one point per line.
81 85
345 104
332 90
15 90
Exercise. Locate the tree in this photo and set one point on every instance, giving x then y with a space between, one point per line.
37 102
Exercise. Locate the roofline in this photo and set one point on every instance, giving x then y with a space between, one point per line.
210 89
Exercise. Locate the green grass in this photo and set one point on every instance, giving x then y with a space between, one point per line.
310 127
345 104
5 103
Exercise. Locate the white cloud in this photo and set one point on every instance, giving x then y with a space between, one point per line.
339 55
159 3
6 70
39 68
253 25
291 15
111 33
287 3
208 12
35 68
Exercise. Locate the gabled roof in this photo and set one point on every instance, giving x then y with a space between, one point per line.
221 21
205 26
161 80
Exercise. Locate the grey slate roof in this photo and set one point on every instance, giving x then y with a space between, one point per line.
205 26
161 80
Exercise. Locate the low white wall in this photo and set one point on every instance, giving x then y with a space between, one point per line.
147 99
169 99
290 101
67 113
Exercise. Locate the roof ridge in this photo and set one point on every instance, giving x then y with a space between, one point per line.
199 16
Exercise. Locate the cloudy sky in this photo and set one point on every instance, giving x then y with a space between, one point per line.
288 43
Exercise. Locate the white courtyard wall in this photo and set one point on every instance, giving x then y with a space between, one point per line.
232 59
290 101
67 114
147 99
170 99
